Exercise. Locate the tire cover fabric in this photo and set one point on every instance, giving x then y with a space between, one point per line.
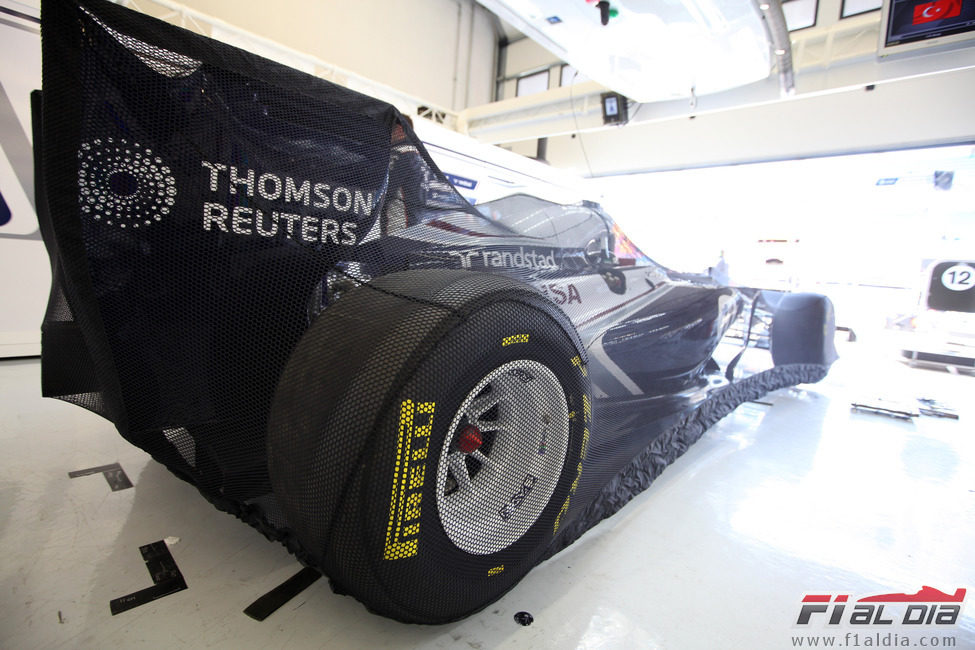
450 329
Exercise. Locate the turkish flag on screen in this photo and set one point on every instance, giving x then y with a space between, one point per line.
936 11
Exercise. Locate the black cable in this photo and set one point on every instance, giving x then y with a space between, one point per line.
639 106
575 118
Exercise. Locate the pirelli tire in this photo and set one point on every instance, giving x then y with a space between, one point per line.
803 330
397 391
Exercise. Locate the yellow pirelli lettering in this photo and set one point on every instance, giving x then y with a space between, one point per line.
583 449
511 340
416 476
558 519
493 571
565 506
413 441
577 362
412 510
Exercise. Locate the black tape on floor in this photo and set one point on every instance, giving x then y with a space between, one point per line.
166 578
114 474
274 599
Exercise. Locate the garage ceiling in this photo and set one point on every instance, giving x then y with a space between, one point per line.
650 50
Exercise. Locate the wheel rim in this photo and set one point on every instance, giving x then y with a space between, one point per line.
503 456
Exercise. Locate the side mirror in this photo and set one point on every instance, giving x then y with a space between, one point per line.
598 253
593 251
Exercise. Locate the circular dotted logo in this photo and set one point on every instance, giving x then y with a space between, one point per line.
123 184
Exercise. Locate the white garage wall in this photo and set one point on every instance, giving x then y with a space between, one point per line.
520 57
439 50
25 274
929 110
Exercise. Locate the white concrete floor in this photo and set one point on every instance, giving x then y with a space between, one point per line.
798 496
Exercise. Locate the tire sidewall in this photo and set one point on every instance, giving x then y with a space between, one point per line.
441 581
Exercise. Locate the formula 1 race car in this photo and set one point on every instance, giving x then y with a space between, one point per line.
263 280
939 332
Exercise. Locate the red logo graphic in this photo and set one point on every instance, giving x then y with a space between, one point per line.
936 11
925 595
929 606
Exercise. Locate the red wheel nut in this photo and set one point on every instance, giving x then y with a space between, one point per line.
470 439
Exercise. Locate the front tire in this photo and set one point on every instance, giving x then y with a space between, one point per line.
803 330
425 464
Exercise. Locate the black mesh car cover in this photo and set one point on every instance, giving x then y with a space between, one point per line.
263 280
198 196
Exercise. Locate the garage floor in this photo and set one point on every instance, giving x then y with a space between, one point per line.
790 497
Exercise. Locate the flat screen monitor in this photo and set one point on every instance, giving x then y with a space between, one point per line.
912 25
